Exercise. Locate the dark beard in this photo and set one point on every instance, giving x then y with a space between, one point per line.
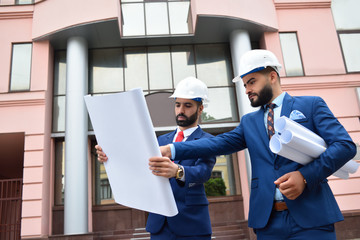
188 120
264 96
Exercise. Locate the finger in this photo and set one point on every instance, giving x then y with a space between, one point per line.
282 179
159 159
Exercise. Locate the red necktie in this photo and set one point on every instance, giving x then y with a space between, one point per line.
180 136
270 119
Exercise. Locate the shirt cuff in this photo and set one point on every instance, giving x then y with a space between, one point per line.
172 149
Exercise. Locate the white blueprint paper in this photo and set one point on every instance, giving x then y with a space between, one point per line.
124 130
301 145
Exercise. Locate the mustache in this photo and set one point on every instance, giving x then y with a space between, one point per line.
181 115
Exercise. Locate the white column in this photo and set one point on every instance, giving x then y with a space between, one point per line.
239 44
76 128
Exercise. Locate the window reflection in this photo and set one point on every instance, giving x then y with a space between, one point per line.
291 54
20 67
222 106
135 65
351 50
213 64
182 58
60 73
346 14
133 23
58 114
160 68
156 18
59 171
106 70
179 17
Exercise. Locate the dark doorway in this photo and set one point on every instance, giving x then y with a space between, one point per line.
11 174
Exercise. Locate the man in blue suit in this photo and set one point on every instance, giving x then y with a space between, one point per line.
288 200
186 176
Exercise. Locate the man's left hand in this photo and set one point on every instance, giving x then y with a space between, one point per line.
163 166
291 184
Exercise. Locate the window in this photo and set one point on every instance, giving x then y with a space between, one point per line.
59 171
291 54
157 70
347 22
21 2
58 124
21 67
154 69
155 17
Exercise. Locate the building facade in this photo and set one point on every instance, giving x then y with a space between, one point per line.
55 52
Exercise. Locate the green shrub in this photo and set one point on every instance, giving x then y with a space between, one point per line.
215 187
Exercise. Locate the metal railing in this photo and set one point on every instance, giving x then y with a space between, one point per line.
10 208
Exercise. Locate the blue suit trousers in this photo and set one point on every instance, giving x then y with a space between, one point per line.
281 226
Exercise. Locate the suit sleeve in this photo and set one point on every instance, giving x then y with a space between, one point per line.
340 147
225 143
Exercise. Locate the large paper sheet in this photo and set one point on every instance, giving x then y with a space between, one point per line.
124 130
297 143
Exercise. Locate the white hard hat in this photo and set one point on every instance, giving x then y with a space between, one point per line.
191 88
256 60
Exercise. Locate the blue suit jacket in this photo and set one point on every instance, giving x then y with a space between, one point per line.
193 217
316 206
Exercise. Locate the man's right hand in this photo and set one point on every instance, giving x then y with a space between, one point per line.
101 155
165 151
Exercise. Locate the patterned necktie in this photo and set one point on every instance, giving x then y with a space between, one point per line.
270 119
179 137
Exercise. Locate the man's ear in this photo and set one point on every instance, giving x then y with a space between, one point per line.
273 77
201 108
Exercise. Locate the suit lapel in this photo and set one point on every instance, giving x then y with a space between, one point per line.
287 105
195 135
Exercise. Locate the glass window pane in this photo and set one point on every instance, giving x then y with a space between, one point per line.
346 14
291 54
133 19
351 50
60 73
213 64
59 172
103 193
179 16
156 18
135 66
21 67
222 106
182 58
160 68
59 114
106 70
24 2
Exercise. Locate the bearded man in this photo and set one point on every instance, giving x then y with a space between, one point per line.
186 176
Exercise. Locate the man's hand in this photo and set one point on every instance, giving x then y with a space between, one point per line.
101 155
165 151
163 166
291 185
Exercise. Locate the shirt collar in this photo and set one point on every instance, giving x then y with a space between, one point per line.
187 132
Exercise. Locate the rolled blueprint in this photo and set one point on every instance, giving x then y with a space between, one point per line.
305 144
284 150
285 123
297 143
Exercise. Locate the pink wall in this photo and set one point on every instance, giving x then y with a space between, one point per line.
28 112
55 15
265 15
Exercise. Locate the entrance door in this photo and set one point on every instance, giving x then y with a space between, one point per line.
11 174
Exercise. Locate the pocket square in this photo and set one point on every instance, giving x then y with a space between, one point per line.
296 115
